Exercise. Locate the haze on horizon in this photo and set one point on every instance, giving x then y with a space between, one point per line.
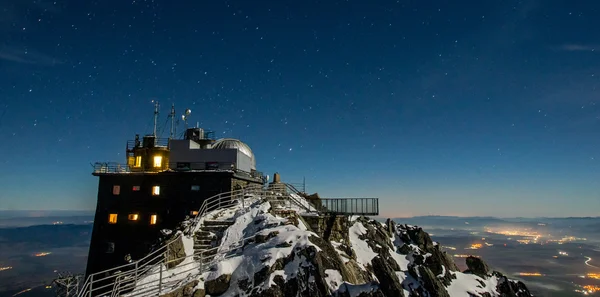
448 108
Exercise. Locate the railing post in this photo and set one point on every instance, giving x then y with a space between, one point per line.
160 279
91 283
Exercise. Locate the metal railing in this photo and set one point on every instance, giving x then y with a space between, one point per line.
348 206
110 167
158 142
115 167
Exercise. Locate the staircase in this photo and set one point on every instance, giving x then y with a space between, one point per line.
208 237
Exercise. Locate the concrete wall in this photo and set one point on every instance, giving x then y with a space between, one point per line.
244 162
187 151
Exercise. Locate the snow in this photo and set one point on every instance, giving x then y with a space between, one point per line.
171 278
334 279
467 285
345 258
364 253
400 259
244 264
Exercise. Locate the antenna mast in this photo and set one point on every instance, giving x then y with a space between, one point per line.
172 121
155 117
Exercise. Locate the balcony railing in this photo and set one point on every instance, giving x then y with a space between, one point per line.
154 142
113 167
354 206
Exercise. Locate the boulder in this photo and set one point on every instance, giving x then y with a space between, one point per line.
175 253
183 291
477 266
218 285
388 280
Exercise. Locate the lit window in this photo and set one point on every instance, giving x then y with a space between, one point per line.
195 188
156 190
133 216
112 218
136 188
138 161
194 212
116 190
153 219
157 161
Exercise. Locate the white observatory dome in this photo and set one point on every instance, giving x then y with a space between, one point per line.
231 143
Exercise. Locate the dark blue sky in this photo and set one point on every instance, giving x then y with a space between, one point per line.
436 107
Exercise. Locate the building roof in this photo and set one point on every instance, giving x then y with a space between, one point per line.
231 143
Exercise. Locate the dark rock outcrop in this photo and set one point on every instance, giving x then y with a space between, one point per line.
175 253
388 280
477 267
184 291
218 285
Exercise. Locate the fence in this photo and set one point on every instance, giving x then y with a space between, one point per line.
349 206
114 167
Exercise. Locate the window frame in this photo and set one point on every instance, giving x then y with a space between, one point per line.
156 190
112 216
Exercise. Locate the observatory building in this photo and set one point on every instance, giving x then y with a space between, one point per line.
162 182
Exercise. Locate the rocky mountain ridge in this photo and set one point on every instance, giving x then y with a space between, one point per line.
361 257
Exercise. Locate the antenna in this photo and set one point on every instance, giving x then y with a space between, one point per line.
185 117
155 117
172 115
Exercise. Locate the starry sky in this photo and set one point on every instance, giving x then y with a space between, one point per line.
436 107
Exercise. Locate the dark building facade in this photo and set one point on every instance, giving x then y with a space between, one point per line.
161 185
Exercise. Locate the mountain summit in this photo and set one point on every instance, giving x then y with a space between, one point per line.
266 250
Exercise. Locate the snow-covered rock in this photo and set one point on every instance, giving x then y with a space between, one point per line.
281 256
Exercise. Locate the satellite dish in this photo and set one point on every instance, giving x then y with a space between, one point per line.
183 117
188 112
268 177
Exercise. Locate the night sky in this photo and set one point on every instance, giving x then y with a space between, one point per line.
436 107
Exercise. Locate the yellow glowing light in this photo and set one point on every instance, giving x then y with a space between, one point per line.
133 216
153 219
157 161
42 254
475 246
138 161
593 275
156 190
5 268
591 288
194 212
112 218
530 274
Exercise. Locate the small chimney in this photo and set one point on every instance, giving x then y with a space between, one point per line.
276 178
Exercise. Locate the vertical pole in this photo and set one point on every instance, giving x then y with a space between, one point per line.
172 121
155 117
160 279
91 283
136 271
